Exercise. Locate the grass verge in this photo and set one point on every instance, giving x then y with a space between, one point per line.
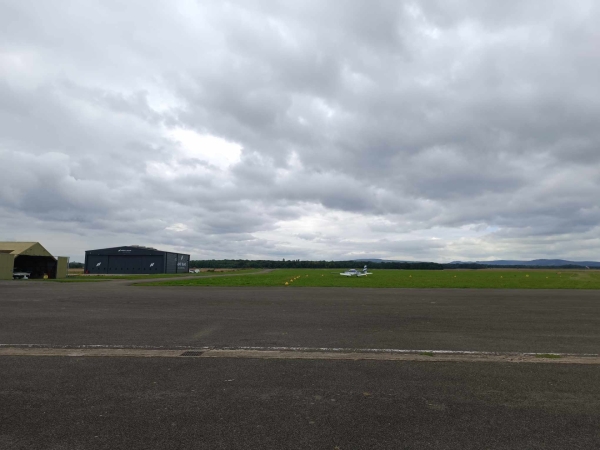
466 279
93 278
548 356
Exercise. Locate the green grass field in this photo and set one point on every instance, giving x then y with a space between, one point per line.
464 279
92 278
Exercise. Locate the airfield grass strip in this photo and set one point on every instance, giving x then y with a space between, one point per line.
78 278
461 279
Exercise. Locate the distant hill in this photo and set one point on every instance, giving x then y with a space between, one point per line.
535 262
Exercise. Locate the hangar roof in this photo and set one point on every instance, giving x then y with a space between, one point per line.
24 248
128 250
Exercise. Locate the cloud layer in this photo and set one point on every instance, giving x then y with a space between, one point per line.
313 130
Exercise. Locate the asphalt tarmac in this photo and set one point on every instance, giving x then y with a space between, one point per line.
53 402
153 403
433 319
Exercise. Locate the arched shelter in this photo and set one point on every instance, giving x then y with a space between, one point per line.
32 259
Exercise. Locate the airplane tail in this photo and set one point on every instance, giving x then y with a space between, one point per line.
365 268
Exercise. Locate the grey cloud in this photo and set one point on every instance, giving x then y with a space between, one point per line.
377 121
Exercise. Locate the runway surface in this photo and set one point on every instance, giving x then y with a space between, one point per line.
132 402
439 319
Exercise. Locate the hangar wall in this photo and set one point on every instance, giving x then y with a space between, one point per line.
33 249
177 263
6 266
62 267
131 260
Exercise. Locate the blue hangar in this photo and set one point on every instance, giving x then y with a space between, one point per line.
135 259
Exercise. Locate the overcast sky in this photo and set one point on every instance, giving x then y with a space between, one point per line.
435 130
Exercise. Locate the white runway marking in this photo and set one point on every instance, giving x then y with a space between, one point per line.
327 353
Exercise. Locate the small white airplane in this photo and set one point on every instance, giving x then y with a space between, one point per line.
356 273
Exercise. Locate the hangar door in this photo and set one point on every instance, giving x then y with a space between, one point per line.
153 264
171 263
177 263
125 264
97 264
36 266
183 263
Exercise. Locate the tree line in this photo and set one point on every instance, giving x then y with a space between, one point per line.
297 264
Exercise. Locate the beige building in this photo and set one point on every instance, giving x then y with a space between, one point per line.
32 259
